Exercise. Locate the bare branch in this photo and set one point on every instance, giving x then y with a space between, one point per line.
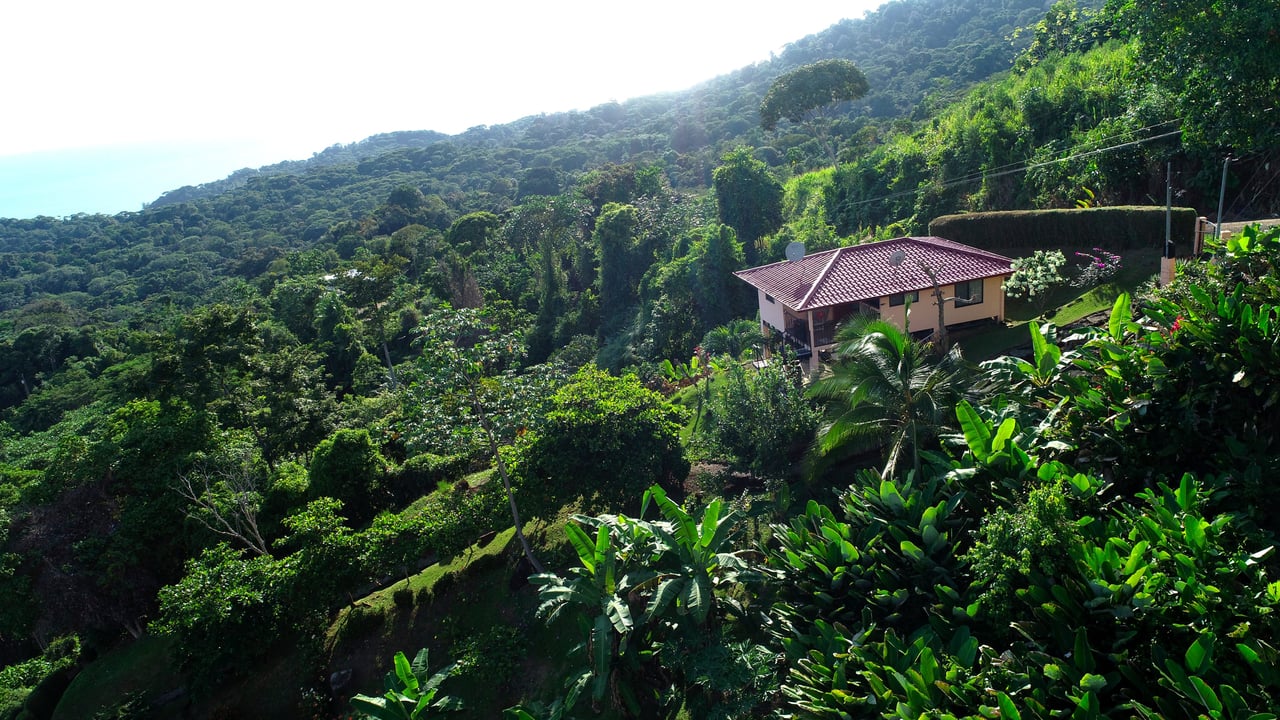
226 503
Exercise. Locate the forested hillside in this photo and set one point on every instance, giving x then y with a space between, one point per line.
256 429
908 51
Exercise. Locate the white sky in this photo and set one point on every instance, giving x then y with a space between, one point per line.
110 103
300 76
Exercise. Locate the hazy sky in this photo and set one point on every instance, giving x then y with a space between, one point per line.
256 82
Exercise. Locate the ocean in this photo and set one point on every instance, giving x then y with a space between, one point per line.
111 180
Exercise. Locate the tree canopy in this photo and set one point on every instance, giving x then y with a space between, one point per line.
808 91
808 94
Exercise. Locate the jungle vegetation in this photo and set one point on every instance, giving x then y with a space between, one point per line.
446 392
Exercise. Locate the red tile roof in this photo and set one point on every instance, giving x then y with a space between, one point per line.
867 272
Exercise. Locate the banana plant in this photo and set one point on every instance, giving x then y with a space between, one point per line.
677 563
536 711
411 694
1045 379
694 558
683 373
594 588
696 372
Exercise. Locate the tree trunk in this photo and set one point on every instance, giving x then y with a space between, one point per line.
506 482
391 371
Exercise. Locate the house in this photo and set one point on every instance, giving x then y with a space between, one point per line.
807 297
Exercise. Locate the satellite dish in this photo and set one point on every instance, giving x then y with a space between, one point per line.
794 251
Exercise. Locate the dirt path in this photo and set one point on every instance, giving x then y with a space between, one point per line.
1235 227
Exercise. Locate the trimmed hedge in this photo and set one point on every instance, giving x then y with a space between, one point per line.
428 470
1115 228
421 474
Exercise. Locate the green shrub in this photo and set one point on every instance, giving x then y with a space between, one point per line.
44 697
1030 544
762 419
64 650
11 702
445 523
360 621
326 564
221 611
603 434
421 474
493 653
34 686
348 466
444 583
286 492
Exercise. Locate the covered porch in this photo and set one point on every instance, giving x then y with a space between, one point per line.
813 332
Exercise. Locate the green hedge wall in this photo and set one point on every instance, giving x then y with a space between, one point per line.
1113 228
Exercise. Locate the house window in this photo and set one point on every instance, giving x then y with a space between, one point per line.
901 298
769 298
969 293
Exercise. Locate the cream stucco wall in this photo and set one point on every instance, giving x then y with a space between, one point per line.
897 315
924 314
992 305
770 312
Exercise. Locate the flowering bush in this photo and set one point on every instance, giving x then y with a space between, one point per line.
1098 266
1036 277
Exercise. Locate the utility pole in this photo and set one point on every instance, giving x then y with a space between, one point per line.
1222 193
1168 209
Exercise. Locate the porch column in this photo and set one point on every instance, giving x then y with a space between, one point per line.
1000 294
813 344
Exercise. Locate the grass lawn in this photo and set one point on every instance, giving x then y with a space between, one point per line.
1066 305
142 669
693 399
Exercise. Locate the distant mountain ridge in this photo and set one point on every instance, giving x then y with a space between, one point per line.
332 155
908 49
192 238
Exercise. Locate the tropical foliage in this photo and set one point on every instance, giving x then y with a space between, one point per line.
761 418
888 391
238 425
411 693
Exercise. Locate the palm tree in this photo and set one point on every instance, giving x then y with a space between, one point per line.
886 388
733 338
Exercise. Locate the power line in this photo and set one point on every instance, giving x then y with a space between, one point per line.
1024 165
1095 152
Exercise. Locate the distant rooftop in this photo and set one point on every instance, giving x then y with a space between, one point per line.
864 272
